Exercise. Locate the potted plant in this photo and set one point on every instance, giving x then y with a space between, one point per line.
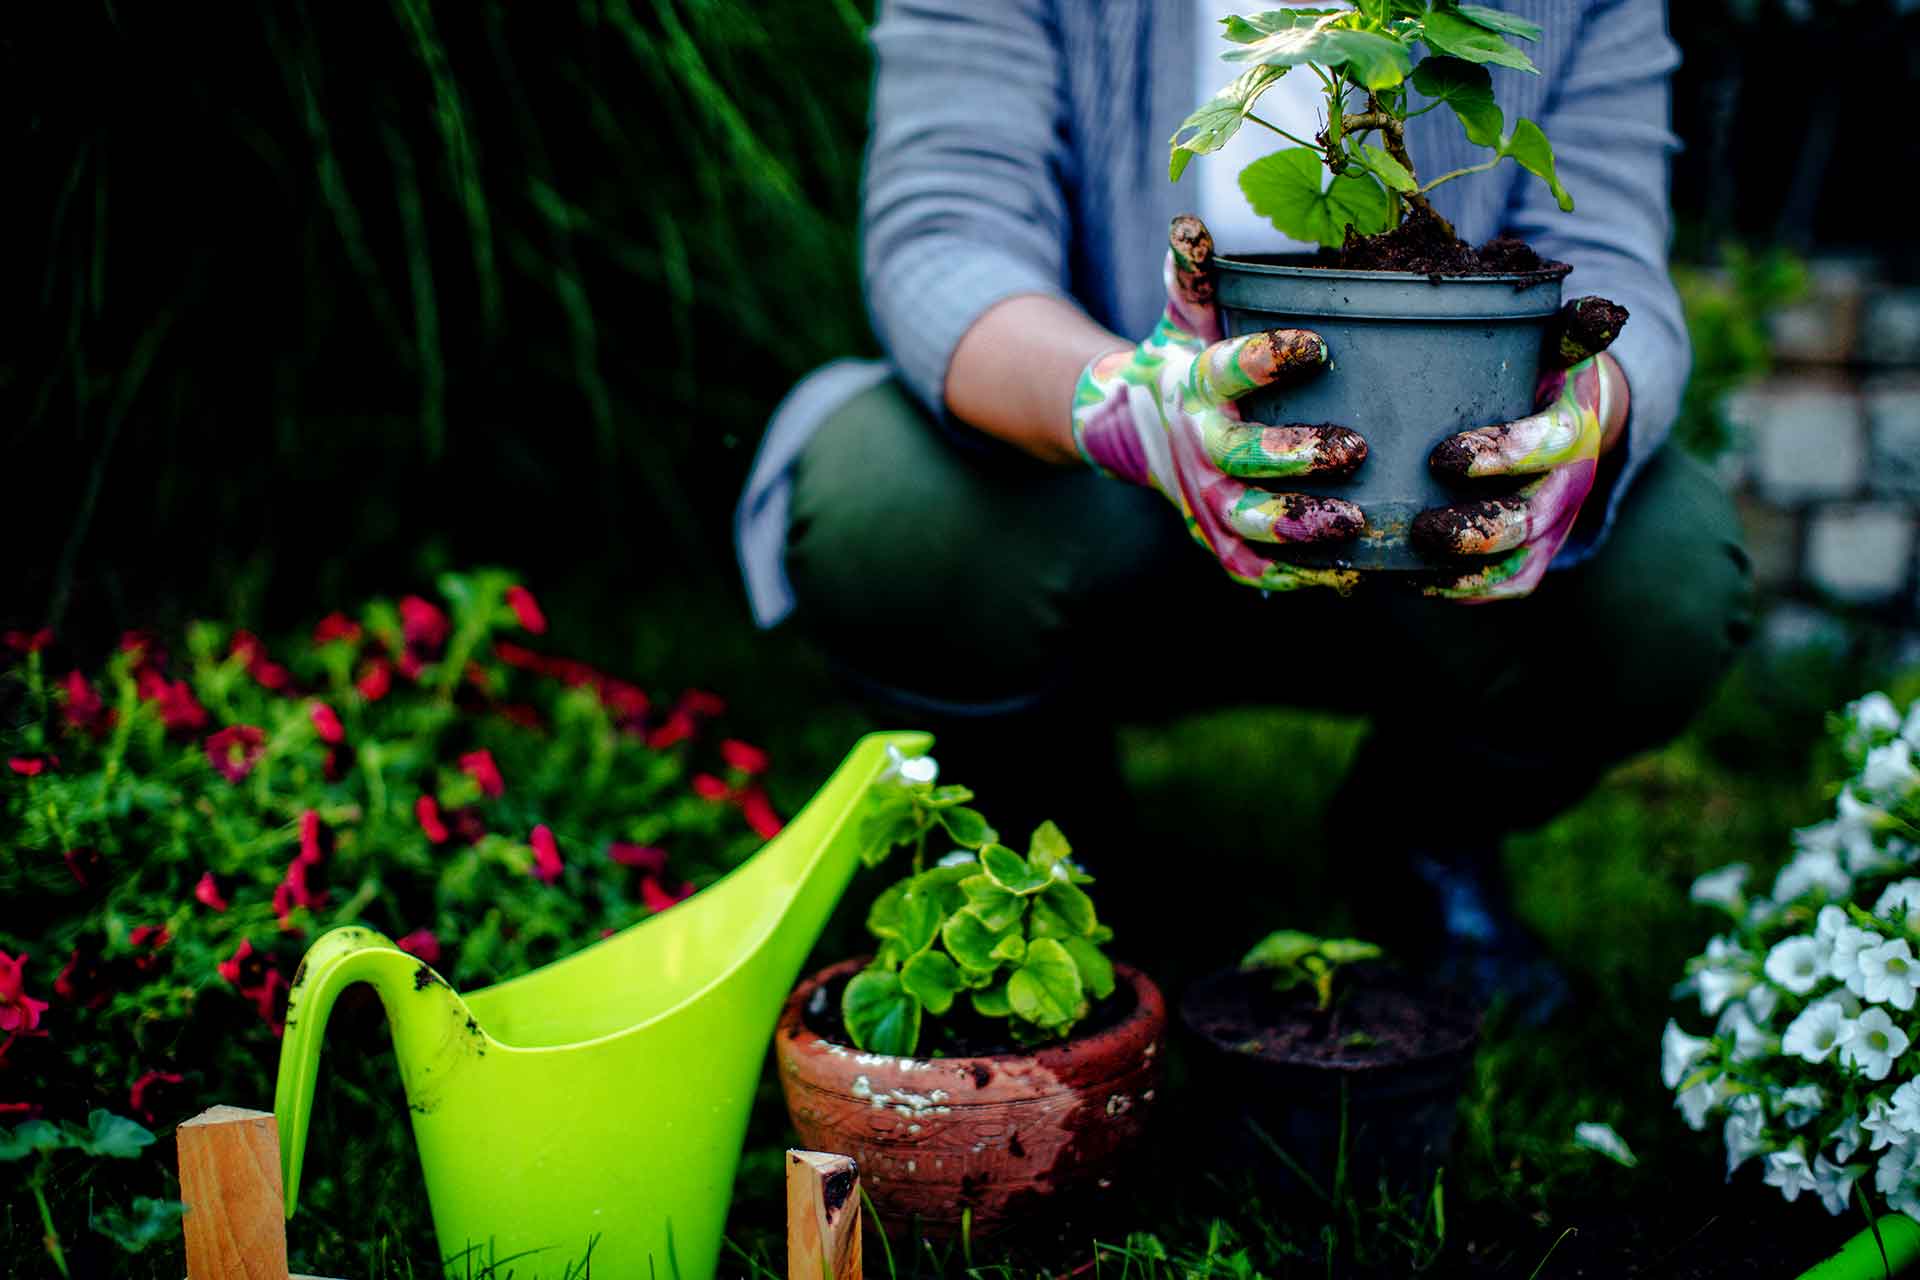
989 1052
1809 1064
1429 335
1325 1063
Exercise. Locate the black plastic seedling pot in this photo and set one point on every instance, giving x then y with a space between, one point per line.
1413 359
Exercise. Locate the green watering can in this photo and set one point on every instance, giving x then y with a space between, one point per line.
601 1100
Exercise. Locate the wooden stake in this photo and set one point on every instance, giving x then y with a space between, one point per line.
230 1182
823 1216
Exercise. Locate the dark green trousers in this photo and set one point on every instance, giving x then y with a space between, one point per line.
1010 603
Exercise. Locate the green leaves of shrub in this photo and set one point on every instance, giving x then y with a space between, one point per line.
1294 37
1219 118
1468 90
1285 189
1017 934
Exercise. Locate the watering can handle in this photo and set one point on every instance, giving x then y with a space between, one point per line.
336 960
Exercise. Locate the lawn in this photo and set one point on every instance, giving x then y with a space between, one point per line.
1605 884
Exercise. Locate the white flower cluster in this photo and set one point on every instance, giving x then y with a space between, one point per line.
1812 1065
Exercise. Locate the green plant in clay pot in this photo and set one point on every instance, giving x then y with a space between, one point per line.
1324 1063
1426 337
953 1062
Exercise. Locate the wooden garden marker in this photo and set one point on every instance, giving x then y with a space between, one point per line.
823 1216
230 1182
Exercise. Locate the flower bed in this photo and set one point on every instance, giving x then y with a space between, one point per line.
176 823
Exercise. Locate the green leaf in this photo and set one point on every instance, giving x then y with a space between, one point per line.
1372 60
1046 989
946 797
1011 871
1074 907
1215 121
1495 20
883 917
1246 30
995 907
971 942
1096 971
1385 167
29 1137
880 1015
933 980
888 822
1284 188
1349 950
1280 949
920 919
1048 848
1468 89
967 827
1530 147
1448 32
112 1135
942 885
1011 949
138 1226
991 1002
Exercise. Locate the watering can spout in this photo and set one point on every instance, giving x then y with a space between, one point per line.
434 1035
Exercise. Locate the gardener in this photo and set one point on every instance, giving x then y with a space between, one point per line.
936 526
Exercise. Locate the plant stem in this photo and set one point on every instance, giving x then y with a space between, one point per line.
1393 134
52 1239
1460 173
1311 146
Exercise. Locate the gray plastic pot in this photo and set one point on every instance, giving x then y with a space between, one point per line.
1414 359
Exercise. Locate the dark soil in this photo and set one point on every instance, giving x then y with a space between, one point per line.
1428 247
1379 1016
960 1032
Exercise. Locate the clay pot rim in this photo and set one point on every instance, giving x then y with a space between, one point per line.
1143 1024
1467 1043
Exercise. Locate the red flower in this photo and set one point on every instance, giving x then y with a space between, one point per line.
28 641
83 980
519 713
409 665
252 973
623 701
479 766
269 674
208 892
708 787
422 943
180 711
326 723
527 610
235 750
427 810
83 709
422 623
28 1110
245 967
759 813
336 626
376 677
31 766
546 855
145 649
465 823
649 859
743 756
659 897
153 937
677 727
698 702
140 1096
315 839
519 657
19 1012
84 864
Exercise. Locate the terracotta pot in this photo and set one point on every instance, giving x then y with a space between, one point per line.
937 1137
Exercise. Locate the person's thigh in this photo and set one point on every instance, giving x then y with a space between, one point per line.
926 570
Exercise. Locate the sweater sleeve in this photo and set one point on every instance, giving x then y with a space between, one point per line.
963 200
1608 121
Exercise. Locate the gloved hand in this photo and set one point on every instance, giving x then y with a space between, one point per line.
1162 414
1582 401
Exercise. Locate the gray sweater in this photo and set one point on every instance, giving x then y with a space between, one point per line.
1020 146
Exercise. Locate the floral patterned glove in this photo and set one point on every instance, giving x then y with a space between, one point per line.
1162 414
1580 396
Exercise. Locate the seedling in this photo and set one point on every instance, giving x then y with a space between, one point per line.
1368 52
1297 959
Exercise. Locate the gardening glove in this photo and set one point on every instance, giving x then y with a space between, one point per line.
1559 447
1162 414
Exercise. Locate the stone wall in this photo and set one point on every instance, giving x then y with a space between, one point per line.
1826 453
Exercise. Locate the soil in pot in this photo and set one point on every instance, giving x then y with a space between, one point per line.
1426 246
1290 1090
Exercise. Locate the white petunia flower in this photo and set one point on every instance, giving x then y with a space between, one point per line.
1889 774
1900 903
1595 1136
1844 963
1697 1103
1796 963
1895 1170
1799 1104
1788 1170
1723 888
1834 1183
1874 1045
1748 1039
914 769
1812 870
1725 973
1888 974
1910 730
1881 1126
1745 1134
1903 1110
1848 1138
1678 1054
1874 717
1763 1000
1821 1028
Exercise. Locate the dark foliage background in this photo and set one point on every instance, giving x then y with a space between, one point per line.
312 297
